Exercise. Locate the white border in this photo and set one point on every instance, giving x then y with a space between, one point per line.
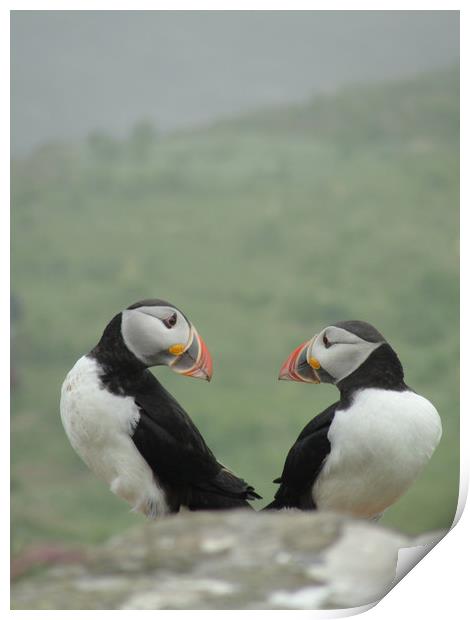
438 585
241 5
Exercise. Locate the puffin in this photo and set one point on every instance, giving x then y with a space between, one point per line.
129 429
363 452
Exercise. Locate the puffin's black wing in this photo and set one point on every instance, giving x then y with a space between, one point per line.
177 453
303 464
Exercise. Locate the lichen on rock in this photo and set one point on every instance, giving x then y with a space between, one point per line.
225 560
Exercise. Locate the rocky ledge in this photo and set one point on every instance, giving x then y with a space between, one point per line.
225 560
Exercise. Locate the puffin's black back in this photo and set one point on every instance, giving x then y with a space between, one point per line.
176 451
168 439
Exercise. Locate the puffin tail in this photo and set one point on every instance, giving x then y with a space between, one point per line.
223 492
205 500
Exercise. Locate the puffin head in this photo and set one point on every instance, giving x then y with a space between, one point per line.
345 350
154 332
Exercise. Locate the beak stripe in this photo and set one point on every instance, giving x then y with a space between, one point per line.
194 360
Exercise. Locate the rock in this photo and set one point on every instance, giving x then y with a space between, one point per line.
226 560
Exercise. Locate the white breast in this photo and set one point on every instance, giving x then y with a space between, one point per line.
99 425
379 445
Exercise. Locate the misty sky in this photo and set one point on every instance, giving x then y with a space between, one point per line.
75 71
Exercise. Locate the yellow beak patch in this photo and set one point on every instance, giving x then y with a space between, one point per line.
176 349
314 363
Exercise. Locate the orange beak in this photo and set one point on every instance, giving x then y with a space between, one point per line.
297 368
195 361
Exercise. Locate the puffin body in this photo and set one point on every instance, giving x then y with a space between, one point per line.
362 453
100 426
130 431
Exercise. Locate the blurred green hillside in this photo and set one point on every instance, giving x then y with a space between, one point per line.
262 229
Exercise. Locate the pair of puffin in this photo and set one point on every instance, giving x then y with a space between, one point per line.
357 457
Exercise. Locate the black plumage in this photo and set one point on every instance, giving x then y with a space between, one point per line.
176 451
303 464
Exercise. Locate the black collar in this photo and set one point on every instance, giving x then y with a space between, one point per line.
112 354
382 370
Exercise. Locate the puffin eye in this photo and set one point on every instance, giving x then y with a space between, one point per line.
326 342
170 321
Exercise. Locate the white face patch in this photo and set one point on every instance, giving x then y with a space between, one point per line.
146 335
343 353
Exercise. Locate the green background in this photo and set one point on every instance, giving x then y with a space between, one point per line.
262 229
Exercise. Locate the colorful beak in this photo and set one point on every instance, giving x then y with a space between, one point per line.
297 367
195 360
